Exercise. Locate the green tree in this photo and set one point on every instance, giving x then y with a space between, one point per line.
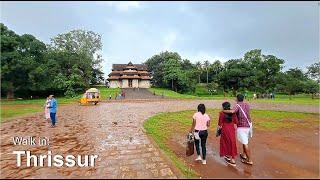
22 63
172 72
206 66
311 87
289 83
233 76
77 55
156 66
10 61
314 71
215 68
199 70
81 48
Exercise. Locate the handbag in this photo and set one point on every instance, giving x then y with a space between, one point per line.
218 132
250 123
196 135
190 145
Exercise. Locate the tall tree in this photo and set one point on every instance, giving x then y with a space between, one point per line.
314 71
199 68
172 72
22 63
215 68
206 65
10 58
77 53
86 45
156 66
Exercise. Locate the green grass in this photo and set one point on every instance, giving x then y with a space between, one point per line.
297 99
162 127
16 108
175 95
105 92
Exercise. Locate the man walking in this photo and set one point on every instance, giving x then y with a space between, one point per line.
244 130
53 110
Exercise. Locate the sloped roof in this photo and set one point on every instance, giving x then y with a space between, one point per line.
120 67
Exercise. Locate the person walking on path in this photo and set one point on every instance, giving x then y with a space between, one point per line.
53 110
200 124
228 146
244 130
46 109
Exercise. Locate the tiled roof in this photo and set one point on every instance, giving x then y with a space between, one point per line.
120 67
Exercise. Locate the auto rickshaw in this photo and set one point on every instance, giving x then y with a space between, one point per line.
91 96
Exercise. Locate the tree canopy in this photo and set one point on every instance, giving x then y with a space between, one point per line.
69 64
254 72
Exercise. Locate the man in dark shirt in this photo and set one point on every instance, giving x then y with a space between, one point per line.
242 110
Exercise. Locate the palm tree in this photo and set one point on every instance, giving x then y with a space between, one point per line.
206 65
199 67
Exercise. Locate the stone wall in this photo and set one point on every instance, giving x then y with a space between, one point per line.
144 84
114 84
125 83
135 83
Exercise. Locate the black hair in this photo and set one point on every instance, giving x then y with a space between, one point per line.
240 97
227 116
202 108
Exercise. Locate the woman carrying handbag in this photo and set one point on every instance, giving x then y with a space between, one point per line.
200 124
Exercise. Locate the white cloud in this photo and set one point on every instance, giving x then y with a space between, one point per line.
123 5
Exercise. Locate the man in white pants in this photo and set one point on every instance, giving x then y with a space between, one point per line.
244 131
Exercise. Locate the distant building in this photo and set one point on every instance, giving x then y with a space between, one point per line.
129 76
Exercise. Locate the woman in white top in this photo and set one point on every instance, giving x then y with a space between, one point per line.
46 109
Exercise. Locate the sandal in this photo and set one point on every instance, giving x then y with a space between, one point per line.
227 158
231 163
242 157
246 162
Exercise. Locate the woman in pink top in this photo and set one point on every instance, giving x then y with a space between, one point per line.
200 124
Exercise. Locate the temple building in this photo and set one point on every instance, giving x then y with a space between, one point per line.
129 76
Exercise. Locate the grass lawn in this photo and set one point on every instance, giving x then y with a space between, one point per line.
162 127
297 99
105 92
175 95
15 108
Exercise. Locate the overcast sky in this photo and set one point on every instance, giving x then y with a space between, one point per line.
134 31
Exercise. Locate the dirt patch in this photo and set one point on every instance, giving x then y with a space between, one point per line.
286 153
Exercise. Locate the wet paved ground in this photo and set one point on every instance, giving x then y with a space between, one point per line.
112 130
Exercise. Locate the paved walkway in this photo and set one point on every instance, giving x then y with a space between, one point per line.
140 93
114 131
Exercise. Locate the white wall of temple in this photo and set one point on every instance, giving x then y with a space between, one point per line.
125 83
144 84
135 83
114 84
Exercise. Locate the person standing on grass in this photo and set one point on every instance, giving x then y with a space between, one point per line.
200 124
228 145
53 110
46 109
242 110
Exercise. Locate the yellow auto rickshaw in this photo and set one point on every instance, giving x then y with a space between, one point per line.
91 96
